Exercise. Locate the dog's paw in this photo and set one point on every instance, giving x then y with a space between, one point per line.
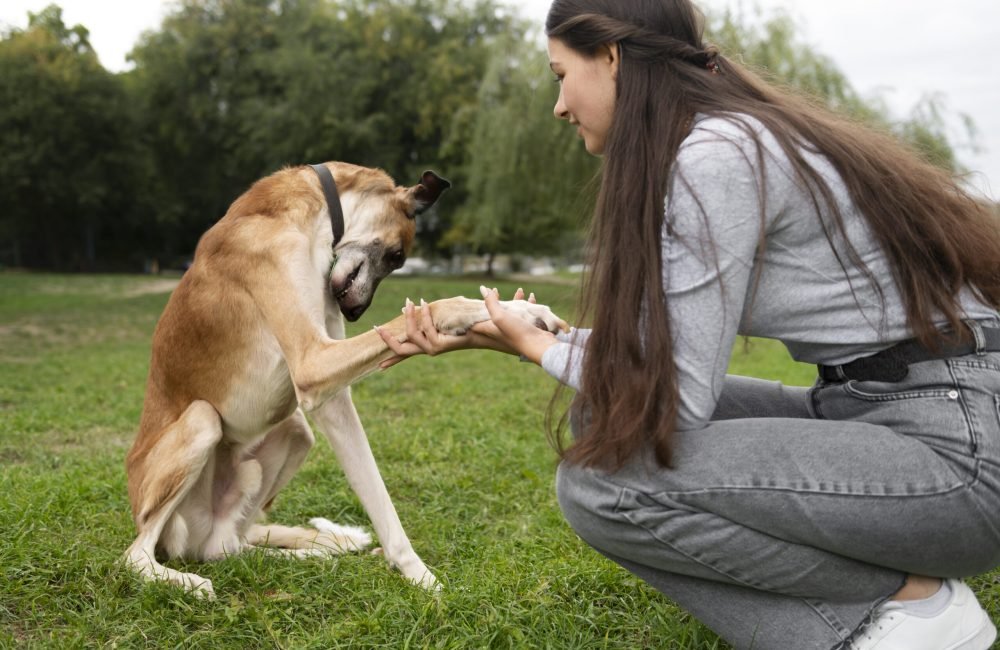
538 315
197 586
151 571
192 583
414 570
455 316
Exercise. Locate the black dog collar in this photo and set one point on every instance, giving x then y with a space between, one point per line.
332 201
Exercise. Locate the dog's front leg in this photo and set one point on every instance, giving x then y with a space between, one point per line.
339 422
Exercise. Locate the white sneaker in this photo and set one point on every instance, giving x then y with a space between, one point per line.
962 625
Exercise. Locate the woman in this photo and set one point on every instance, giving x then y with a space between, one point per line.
839 516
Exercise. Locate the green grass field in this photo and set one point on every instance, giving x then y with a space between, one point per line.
460 443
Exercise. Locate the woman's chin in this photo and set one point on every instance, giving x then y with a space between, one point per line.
593 146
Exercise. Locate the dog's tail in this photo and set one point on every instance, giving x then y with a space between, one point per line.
326 536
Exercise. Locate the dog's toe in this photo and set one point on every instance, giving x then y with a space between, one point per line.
205 591
195 585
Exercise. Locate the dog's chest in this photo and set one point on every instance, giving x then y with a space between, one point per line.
262 395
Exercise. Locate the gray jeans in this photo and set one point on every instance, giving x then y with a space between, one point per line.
796 511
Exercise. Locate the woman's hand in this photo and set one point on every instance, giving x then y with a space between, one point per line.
517 335
424 338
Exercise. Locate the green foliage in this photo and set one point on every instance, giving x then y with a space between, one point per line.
773 48
103 170
68 151
234 90
525 170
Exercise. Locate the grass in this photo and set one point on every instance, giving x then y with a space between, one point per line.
460 445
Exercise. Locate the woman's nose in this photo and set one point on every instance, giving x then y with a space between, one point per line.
560 108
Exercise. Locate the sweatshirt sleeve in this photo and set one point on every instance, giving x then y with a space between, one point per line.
564 359
575 336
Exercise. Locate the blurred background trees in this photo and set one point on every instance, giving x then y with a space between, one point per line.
105 171
69 156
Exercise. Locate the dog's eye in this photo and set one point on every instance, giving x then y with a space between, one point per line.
397 258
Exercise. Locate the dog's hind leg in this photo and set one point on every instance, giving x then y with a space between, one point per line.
163 476
339 421
280 455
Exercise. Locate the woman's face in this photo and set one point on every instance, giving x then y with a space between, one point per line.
586 91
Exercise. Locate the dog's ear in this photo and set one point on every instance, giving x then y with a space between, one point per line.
427 192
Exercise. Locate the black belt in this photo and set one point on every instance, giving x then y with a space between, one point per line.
892 364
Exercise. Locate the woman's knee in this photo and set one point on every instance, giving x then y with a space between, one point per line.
588 502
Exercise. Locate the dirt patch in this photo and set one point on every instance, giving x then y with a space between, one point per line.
110 285
155 286
93 322
100 441
25 329
97 440
18 340
24 337
18 633
11 457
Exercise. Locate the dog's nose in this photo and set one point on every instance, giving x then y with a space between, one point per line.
354 313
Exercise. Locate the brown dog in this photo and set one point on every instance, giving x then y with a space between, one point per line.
252 337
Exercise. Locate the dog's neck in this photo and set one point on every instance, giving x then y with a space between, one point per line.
332 201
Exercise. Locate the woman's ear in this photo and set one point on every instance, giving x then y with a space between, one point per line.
612 54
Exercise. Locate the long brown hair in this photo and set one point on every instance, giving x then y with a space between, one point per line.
937 238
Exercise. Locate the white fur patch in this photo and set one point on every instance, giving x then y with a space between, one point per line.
359 537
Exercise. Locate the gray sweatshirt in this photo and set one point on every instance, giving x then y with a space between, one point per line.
803 298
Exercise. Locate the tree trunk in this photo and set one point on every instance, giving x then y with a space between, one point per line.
490 257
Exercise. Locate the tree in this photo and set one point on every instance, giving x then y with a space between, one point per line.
234 89
66 180
525 170
102 170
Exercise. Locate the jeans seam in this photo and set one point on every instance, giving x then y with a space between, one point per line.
926 492
828 616
619 510
811 406
851 390
973 431
764 488
975 364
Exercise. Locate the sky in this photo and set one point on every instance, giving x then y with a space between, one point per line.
902 49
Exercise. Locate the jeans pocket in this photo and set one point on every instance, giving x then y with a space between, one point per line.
871 391
935 413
